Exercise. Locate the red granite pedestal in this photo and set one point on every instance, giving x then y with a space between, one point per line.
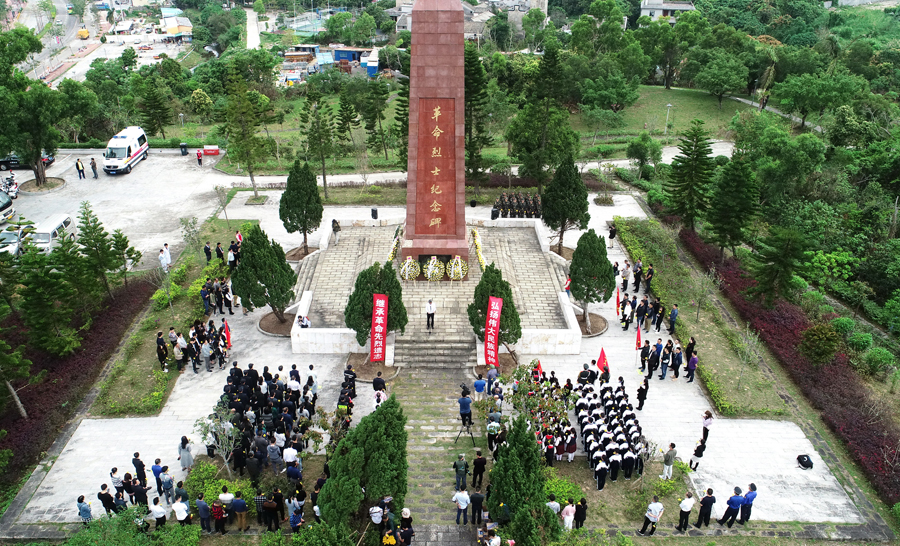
435 200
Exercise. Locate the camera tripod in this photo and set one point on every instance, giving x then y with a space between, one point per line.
468 430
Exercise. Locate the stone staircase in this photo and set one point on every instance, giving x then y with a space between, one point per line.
435 351
306 274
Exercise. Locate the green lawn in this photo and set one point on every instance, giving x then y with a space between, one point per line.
649 112
191 60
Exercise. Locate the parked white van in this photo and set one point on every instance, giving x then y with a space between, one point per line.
125 150
48 235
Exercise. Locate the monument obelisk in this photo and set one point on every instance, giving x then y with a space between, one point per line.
435 189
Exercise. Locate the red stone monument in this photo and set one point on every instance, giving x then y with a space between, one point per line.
435 199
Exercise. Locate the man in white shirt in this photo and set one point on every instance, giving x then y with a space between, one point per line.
461 498
685 513
553 505
430 309
290 454
227 498
181 512
167 255
158 512
294 385
651 518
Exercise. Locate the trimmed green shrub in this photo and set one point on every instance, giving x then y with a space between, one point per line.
161 299
859 341
179 274
878 360
206 478
843 325
820 343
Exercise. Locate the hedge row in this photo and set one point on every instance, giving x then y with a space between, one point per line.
51 402
833 388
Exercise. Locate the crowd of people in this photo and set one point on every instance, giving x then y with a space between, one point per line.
206 346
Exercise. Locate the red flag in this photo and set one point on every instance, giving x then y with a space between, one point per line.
379 326
637 346
617 299
602 363
540 369
492 330
227 333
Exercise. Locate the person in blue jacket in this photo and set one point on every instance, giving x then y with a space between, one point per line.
748 504
734 506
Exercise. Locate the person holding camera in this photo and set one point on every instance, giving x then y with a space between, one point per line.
465 407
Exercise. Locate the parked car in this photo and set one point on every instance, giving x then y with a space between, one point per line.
10 242
137 41
145 48
49 234
12 161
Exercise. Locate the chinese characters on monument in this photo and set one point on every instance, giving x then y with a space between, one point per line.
379 326
437 167
492 330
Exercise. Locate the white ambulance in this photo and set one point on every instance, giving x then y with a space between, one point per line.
125 150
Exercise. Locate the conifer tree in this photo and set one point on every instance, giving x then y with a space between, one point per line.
242 124
734 204
689 186
593 279
300 208
376 104
13 366
156 112
779 256
477 136
47 304
319 123
401 120
123 253
96 245
370 281
263 276
565 202
492 284
346 120
68 260
517 478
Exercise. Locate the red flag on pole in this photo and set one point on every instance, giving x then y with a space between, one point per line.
379 326
602 363
617 300
637 346
492 330
540 369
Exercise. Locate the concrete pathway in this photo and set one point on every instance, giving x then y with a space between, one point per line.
252 29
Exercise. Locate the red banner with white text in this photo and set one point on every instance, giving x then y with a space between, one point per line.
492 331
379 326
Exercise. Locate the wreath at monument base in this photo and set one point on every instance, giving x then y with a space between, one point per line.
410 270
434 271
457 269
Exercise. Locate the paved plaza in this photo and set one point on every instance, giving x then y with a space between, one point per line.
740 450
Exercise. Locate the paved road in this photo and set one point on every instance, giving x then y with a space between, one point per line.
252 29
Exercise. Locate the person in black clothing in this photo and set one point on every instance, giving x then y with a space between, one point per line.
612 235
478 467
140 492
706 504
477 501
698 454
580 513
645 355
109 504
378 383
140 472
642 394
584 376
220 253
208 251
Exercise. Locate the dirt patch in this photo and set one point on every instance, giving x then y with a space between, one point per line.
257 200
566 252
297 254
51 184
507 365
598 324
271 325
366 370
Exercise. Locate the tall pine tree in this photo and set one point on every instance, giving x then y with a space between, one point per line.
47 304
263 276
375 106
401 120
375 280
346 120
96 245
301 208
156 112
779 256
242 125
565 203
13 367
689 187
477 136
319 124
593 279
734 204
